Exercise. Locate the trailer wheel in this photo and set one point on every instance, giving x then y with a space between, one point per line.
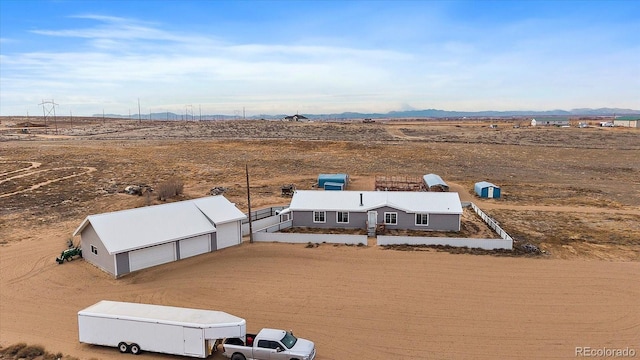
237 356
135 349
123 347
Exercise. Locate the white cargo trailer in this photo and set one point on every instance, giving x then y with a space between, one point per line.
133 327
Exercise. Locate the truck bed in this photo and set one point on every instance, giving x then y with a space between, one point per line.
239 342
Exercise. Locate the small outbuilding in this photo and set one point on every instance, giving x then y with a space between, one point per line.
486 189
333 181
125 241
434 182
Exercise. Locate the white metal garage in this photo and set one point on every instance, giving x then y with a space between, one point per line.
152 256
124 241
195 246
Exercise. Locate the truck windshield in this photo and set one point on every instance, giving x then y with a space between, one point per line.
289 340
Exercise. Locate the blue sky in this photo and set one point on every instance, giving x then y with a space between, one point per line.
317 57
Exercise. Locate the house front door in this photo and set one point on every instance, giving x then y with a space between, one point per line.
372 219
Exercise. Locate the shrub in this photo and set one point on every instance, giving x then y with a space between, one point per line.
13 349
30 352
170 188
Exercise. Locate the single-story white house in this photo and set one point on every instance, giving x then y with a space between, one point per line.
124 241
435 211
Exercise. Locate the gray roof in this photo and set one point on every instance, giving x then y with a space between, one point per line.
433 179
409 201
132 229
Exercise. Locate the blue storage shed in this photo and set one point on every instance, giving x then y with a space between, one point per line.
333 181
333 186
486 189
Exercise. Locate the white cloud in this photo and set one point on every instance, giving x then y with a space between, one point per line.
118 60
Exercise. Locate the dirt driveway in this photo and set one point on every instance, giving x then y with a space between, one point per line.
353 302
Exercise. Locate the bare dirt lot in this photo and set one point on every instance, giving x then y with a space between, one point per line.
573 192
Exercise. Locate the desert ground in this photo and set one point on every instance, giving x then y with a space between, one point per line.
574 193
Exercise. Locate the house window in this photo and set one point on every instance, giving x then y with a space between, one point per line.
94 249
319 216
390 218
422 219
342 217
285 217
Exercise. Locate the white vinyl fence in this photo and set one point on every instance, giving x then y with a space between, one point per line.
297 238
492 223
487 244
271 233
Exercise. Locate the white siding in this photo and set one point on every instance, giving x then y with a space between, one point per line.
195 246
228 234
152 256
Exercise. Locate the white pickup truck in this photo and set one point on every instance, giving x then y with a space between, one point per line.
269 344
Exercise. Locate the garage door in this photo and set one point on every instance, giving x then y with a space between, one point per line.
195 246
152 256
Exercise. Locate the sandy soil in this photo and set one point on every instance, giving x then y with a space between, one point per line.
354 302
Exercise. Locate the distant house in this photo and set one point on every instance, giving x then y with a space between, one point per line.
486 189
627 121
124 241
435 211
296 117
434 182
550 121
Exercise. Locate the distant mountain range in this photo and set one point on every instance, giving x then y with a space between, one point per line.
420 114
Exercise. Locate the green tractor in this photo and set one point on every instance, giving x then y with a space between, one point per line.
69 253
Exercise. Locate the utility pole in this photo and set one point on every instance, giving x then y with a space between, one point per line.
102 116
188 110
71 117
139 120
246 166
